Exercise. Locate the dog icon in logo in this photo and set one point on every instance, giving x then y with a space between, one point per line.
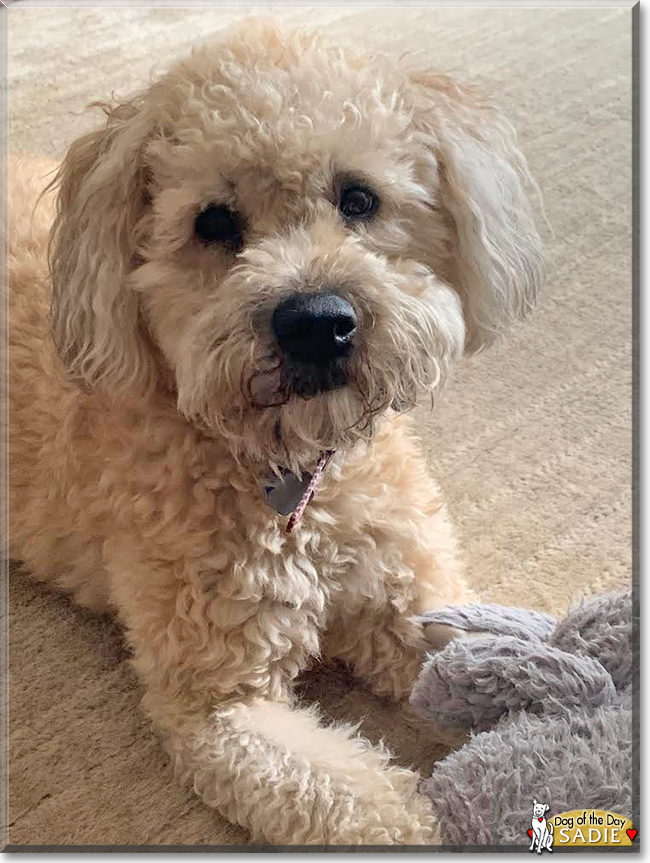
542 833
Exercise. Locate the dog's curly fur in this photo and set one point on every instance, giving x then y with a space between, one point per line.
147 409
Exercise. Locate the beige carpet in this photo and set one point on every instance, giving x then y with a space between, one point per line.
531 442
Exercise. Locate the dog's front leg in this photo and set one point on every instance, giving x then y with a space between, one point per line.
405 562
275 770
384 649
380 638
219 674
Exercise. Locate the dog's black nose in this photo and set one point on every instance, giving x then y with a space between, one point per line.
315 327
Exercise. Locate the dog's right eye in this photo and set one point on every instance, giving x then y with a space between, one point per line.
357 202
219 224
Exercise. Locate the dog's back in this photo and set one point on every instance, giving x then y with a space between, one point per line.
30 351
38 389
29 219
30 214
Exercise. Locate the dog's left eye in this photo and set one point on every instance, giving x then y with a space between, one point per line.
219 224
357 202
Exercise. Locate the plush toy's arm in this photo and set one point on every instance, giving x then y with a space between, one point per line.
601 627
474 682
493 619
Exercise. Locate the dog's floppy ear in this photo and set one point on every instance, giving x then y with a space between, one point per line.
483 178
101 197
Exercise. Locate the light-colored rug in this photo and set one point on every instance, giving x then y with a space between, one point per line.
531 442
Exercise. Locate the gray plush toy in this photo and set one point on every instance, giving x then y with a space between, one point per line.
549 706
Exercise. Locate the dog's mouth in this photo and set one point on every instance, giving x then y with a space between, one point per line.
307 380
274 384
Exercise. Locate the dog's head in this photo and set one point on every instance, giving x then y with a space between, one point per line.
295 237
539 809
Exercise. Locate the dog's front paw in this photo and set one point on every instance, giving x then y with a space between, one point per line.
399 816
438 635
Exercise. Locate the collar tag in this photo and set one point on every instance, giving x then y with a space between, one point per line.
283 494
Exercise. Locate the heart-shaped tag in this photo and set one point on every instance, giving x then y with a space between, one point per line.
631 833
530 833
540 819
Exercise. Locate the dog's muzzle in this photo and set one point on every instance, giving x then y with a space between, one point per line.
315 334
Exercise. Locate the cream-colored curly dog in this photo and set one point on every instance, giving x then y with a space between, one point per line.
261 261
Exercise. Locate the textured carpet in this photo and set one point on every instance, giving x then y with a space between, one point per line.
531 441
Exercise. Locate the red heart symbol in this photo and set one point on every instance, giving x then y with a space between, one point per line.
530 833
540 819
631 833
